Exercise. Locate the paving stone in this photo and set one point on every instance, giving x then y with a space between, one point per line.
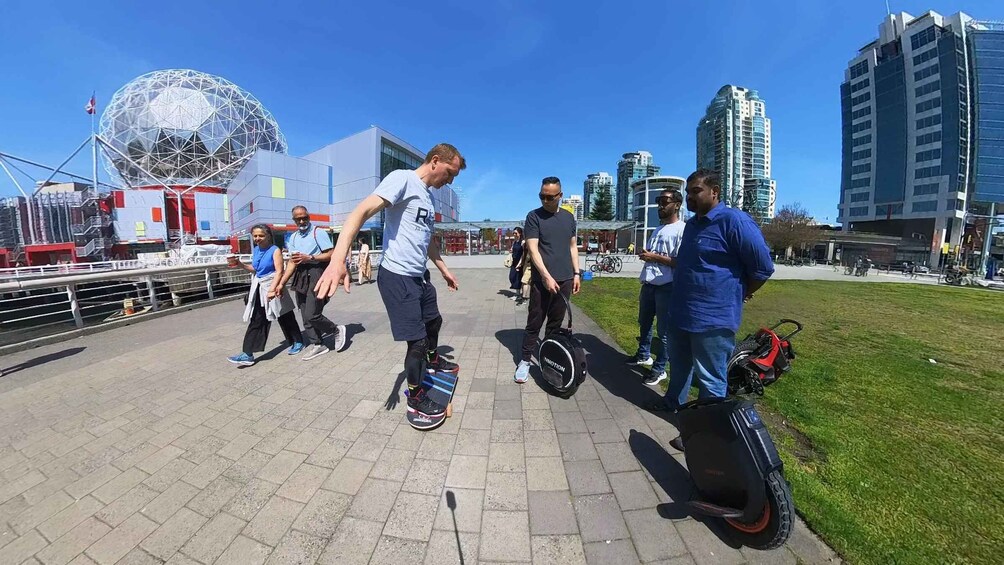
74 542
89 483
807 547
276 441
587 477
353 543
213 539
468 442
22 548
569 423
304 481
160 458
307 441
467 471
281 466
126 505
169 501
604 431
40 512
545 473
481 400
476 419
349 429
483 385
617 457
348 476
507 431
614 551
442 548
538 420
535 401
244 551
412 517
121 540
247 466
393 465
704 546
576 447
508 410
593 409
465 516
271 522
552 513
69 517
137 556
426 477
654 537
323 513
558 550
599 518
210 468
215 496
368 447
779 556
250 499
505 536
505 491
297 548
169 474
329 452
374 500
506 458
541 443
633 490
168 538
392 551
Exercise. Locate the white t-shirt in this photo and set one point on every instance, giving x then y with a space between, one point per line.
664 241
409 222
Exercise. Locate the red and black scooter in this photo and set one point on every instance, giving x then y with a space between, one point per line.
732 460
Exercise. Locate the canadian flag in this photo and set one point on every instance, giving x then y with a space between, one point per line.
91 105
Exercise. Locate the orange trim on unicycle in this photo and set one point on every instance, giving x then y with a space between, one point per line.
755 526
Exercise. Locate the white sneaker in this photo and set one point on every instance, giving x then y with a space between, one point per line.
315 351
340 338
654 379
514 298
522 372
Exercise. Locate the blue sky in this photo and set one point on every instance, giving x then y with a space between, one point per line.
524 89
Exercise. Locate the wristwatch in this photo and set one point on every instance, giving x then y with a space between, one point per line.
577 274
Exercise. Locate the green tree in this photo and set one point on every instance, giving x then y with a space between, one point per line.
603 207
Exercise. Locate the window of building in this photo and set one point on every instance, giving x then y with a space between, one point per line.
960 204
928 105
927 172
927 206
863 126
860 84
929 121
932 137
863 154
888 209
859 69
933 86
861 183
922 38
858 169
859 211
862 140
928 188
925 72
860 197
929 155
866 111
861 99
931 53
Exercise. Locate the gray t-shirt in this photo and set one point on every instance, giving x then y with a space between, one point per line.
554 233
409 221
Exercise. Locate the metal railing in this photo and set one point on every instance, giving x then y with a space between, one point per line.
33 308
92 294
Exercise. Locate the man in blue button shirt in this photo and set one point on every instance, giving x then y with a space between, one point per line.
723 260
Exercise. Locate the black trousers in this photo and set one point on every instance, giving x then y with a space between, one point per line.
257 333
315 324
543 306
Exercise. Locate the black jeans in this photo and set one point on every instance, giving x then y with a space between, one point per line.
543 305
257 333
311 308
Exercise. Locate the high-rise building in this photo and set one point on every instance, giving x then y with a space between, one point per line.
645 206
574 202
591 188
733 138
632 166
922 133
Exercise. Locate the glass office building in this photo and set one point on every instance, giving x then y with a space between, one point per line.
645 207
591 187
986 48
633 166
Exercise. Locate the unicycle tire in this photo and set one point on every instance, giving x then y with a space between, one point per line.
774 526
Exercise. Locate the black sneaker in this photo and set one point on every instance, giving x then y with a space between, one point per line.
438 364
654 379
677 443
419 401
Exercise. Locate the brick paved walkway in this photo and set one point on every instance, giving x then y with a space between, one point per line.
143 445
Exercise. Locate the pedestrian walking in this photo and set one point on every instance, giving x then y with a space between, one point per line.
365 267
266 301
516 264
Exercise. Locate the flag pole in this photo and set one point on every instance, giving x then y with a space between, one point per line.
94 145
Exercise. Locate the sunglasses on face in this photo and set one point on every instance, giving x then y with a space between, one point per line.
548 197
299 219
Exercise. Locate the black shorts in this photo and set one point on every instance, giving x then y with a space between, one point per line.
410 303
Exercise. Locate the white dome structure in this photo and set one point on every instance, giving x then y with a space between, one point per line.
185 128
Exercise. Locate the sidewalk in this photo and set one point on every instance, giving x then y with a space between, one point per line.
143 445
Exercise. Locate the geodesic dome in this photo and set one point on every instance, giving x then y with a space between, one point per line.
185 127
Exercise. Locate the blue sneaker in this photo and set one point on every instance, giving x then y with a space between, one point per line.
522 372
296 348
244 360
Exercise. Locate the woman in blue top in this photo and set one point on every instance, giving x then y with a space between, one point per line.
265 301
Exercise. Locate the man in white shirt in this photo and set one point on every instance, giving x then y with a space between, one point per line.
404 281
656 278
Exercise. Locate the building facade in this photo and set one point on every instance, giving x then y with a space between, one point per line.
644 204
733 138
591 187
574 204
632 166
922 109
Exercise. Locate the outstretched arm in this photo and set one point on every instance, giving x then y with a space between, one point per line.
336 273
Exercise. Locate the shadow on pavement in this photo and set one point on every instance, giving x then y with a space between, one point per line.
675 480
608 368
41 360
351 330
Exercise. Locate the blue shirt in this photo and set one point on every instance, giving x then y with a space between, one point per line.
311 242
262 260
718 255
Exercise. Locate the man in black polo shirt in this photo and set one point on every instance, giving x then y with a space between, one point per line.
550 240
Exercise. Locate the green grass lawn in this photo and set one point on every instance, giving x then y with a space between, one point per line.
891 458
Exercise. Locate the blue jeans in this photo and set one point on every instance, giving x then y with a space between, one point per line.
706 354
653 303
